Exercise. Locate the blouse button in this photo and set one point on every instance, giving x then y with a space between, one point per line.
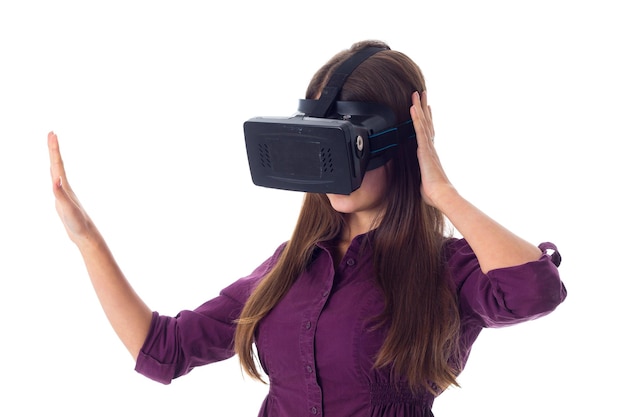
307 325
309 369
313 410
350 262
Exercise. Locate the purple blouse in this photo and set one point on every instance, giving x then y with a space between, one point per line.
315 345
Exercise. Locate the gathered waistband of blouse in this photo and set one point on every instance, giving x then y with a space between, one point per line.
381 394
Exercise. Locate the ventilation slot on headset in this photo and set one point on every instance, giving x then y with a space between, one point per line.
264 155
327 160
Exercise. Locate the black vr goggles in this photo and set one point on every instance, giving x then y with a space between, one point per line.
328 145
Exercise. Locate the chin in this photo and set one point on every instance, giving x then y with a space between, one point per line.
342 203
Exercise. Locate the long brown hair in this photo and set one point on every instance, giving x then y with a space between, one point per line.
421 310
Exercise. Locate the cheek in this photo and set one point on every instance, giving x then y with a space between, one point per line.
375 182
369 196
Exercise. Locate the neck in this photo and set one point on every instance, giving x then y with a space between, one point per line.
357 224
354 225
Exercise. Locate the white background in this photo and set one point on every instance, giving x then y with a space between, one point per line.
148 100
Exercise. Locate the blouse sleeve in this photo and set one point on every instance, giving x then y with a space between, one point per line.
176 345
505 296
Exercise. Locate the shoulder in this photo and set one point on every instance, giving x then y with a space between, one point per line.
241 289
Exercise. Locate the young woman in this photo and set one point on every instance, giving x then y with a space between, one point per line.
370 309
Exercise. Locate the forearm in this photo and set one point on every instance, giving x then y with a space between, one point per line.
494 245
129 316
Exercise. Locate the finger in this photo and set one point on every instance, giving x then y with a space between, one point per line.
423 101
416 109
59 191
427 114
424 110
419 121
432 125
57 169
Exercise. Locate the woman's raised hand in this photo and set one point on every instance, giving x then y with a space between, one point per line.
76 221
435 183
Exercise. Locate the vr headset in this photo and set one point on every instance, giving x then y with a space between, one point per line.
329 145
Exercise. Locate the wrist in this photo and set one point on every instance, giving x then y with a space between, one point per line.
446 198
89 238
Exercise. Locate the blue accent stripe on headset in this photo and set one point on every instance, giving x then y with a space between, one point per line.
392 129
393 145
